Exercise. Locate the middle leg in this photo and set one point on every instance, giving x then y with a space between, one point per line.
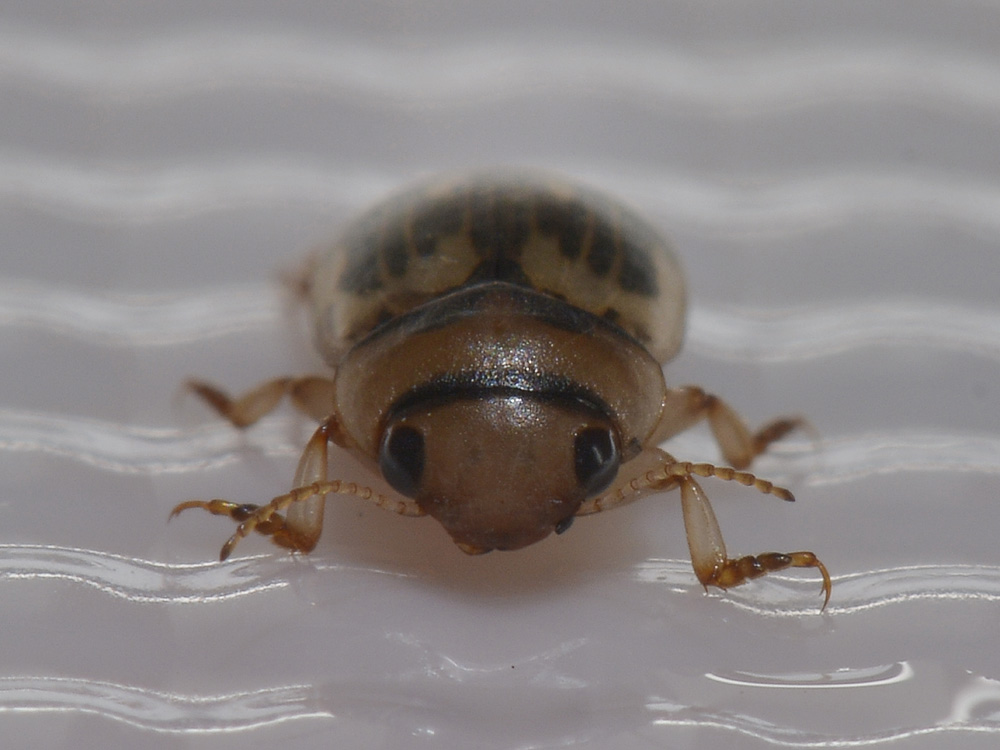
311 395
686 406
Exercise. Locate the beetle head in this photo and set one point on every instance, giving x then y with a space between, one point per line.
500 471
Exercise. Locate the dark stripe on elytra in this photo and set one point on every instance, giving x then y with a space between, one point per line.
362 273
394 251
566 221
637 273
435 220
480 385
499 269
500 225
603 248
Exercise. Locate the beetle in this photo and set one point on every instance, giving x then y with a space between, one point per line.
497 344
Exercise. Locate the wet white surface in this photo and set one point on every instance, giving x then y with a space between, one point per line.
831 178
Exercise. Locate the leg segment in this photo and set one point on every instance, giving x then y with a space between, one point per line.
655 470
685 407
313 396
708 550
267 519
299 529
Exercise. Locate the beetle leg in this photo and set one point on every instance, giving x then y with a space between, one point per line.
311 395
684 407
299 529
303 520
655 470
708 550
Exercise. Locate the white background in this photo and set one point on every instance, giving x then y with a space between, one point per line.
830 174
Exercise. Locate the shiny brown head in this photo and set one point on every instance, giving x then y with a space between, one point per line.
499 468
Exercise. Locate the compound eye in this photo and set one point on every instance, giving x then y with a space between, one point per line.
597 458
401 458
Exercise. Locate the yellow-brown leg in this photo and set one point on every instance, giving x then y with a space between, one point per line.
655 470
299 529
267 520
274 527
684 407
311 395
708 550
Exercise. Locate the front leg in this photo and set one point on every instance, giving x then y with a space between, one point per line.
684 407
655 470
300 528
708 550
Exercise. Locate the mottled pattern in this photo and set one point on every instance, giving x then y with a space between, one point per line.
566 242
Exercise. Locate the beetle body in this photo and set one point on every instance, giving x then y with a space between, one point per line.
497 345
488 320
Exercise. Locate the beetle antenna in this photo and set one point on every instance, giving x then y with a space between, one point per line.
729 474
